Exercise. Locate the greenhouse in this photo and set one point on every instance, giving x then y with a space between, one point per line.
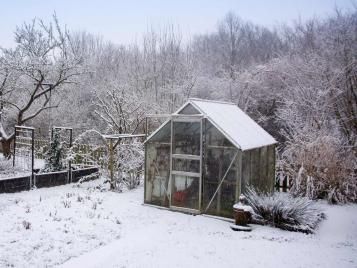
204 156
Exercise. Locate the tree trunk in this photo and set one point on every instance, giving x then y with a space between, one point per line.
6 146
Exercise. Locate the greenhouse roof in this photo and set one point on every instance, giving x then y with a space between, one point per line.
236 125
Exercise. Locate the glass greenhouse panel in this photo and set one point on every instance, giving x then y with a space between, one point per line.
189 109
245 171
214 137
163 135
217 162
187 137
186 165
219 155
185 192
157 174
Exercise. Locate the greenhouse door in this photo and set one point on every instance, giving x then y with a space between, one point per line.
186 166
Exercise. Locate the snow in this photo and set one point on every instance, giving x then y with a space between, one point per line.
237 126
87 227
245 208
22 168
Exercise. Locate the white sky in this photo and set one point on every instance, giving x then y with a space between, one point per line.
125 21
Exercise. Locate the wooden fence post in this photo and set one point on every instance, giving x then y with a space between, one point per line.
111 164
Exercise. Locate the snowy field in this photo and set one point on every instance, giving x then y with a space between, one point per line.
88 227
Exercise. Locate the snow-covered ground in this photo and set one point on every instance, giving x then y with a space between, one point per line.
22 167
86 227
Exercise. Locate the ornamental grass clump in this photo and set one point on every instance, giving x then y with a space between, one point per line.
284 211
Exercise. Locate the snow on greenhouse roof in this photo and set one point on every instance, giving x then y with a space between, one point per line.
236 125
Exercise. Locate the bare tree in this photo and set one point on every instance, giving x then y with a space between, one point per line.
122 110
42 62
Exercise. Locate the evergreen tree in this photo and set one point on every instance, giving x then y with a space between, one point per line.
54 155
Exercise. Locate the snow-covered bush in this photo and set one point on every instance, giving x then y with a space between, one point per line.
89 148
130 159
284 211
321 168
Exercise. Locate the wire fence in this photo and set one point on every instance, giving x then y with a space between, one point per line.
83 154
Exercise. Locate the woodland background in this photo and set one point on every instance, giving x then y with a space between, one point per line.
298 82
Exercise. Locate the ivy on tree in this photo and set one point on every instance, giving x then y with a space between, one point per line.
54 156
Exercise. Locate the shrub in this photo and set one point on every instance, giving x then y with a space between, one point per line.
321 168
284 211
130 165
